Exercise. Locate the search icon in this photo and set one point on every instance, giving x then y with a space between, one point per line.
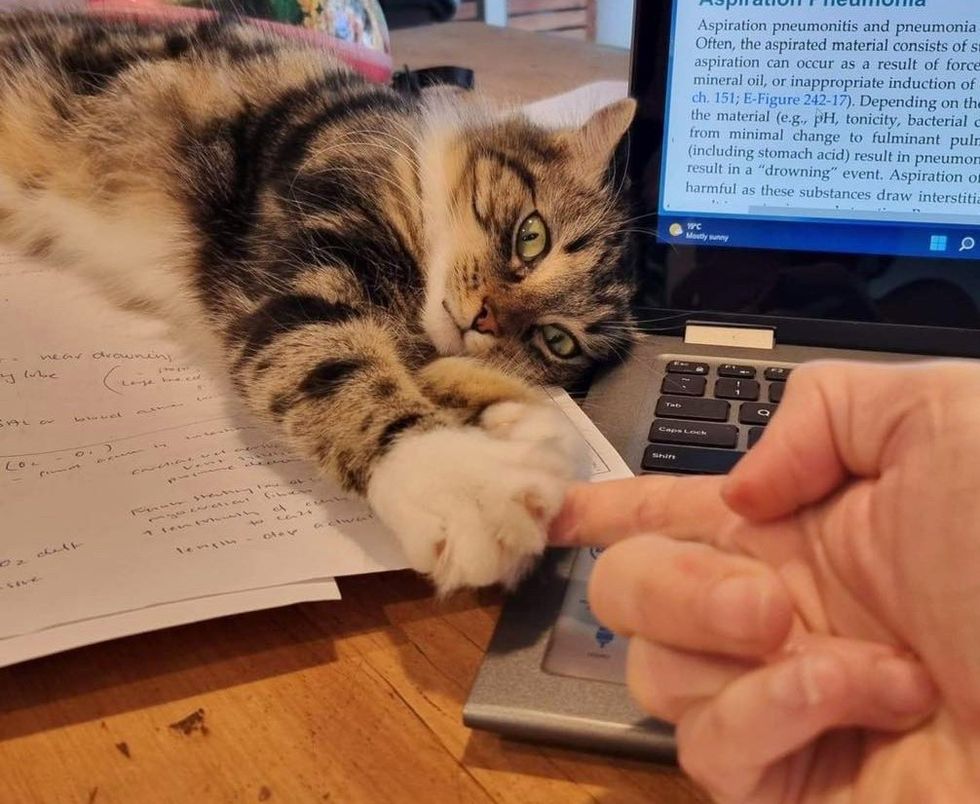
968 244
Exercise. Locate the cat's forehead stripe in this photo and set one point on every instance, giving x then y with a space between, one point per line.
508 163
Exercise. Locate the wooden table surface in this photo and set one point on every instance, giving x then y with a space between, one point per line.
352 701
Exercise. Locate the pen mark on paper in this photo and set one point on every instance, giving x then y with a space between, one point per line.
124 438
105 381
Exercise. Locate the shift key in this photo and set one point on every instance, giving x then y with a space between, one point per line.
689 460
668 431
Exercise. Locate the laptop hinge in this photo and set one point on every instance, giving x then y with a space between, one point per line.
706 334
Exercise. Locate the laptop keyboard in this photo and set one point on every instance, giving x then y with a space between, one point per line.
709 414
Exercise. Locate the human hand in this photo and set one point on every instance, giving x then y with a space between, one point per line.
779 615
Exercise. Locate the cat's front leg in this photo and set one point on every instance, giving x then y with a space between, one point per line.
472 504
502 405
468 488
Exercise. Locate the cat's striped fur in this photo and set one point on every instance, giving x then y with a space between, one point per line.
335 241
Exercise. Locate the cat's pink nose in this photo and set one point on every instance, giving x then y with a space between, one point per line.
486 320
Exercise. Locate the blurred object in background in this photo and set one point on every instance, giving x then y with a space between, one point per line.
354 29
409 13
605 22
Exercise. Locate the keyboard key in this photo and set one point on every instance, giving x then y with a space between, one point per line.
776 391
737 389
755 412
685 407
684 385
689 460
731 370
685 367
755 433
668 431
777 374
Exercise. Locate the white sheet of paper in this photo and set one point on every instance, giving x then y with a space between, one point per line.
132 490
87 632
229 511
607 464
77 371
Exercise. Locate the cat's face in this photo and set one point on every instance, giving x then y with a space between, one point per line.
529 264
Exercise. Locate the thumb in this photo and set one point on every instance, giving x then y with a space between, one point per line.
837 420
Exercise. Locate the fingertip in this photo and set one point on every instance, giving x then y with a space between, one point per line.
754 489
739 494
905 689
564 530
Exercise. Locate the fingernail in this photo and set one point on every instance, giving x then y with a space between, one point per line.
904 687
807 682
738 606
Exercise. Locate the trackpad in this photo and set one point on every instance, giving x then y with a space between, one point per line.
580 646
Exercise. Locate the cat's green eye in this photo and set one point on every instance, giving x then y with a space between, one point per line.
560 341
532 238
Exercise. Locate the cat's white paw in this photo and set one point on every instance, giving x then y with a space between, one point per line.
471 505
545 426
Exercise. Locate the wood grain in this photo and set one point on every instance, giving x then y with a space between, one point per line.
358 700
579 34
355 701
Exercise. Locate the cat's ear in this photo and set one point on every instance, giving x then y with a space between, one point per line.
596 140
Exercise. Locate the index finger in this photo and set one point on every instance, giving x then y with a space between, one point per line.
599 514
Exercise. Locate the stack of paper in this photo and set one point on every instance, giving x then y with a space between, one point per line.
134 497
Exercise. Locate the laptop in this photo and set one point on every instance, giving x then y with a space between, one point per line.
808 176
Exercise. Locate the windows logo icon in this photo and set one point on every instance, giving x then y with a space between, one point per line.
938 243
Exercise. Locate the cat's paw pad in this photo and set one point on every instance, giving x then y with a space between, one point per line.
552 440
469 508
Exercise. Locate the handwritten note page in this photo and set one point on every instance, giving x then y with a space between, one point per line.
74 371
130 484
210 513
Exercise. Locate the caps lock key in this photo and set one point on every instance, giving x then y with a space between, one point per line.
668 431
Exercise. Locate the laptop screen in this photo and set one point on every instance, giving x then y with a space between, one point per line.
815 158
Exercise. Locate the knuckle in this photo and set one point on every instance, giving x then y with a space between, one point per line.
651 512
693 759
700 759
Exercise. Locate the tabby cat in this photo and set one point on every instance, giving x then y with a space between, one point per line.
387 279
